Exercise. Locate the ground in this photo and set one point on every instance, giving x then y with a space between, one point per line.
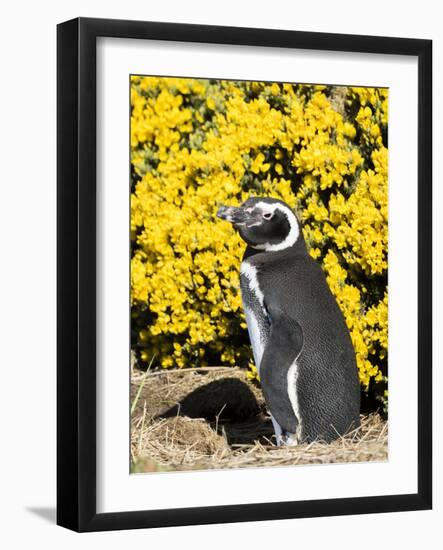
216 418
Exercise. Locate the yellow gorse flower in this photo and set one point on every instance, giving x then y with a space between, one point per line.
198 143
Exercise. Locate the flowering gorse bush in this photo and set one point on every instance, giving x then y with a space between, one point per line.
198 143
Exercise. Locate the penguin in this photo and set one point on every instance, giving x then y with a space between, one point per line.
300 341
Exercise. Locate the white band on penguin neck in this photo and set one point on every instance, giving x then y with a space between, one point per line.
291 237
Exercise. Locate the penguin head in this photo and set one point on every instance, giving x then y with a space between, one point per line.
263 223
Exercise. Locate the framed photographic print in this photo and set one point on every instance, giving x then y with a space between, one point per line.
244 274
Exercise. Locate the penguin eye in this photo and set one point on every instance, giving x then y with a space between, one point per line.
267 215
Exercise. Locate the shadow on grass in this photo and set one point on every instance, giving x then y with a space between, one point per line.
230 406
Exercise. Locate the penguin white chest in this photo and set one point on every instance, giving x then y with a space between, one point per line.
254 336
255 312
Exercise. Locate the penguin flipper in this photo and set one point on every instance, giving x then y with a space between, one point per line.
282 350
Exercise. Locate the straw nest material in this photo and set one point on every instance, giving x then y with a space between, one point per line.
216 418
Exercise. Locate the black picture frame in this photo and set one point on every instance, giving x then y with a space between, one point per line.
76 267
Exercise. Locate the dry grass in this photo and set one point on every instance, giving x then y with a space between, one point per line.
216 418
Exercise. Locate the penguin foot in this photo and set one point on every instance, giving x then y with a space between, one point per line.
287 439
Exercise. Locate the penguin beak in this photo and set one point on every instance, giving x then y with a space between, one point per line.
235 215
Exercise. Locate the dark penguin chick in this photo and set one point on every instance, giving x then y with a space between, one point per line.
301 344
